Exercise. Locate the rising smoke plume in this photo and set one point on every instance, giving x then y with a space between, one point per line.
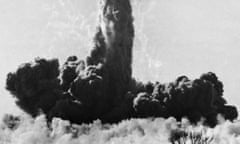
103 87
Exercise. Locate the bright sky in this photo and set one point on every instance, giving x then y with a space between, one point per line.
172 38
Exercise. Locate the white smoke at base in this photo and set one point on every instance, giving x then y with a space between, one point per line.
36 131
134 131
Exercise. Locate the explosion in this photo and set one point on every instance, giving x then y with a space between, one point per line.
102 87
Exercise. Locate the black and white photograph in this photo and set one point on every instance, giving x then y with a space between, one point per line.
119 71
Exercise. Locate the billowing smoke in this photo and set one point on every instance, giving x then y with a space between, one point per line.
102 87
25 130
36 85
194 99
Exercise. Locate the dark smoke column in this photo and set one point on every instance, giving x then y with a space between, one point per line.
105 89
113 46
